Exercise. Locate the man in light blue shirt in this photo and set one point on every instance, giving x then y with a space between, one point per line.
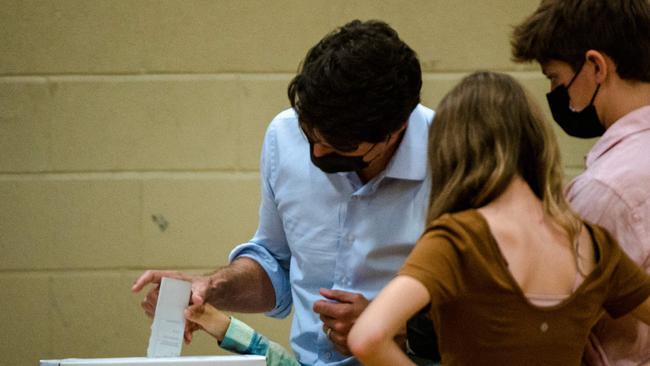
345 188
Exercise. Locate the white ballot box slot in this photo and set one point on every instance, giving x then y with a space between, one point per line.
235 360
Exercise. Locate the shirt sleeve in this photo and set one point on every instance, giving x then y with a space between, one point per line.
435 262
629 285
241 338
629 222
269 247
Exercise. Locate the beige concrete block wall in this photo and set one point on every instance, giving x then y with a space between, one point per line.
119 116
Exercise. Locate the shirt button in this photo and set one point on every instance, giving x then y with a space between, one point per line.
544 327
328 355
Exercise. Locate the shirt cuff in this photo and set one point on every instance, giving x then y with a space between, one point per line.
278 276
238 337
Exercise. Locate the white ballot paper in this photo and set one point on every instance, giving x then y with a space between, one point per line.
166 338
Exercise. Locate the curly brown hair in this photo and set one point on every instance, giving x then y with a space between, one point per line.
358 84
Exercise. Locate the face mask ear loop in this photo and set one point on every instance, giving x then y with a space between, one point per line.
375 144
594 96
575 76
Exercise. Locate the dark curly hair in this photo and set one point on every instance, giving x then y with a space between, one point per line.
358 84
565 30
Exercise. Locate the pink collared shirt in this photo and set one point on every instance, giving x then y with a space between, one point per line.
614 192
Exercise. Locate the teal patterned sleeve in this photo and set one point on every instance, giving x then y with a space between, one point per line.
241 338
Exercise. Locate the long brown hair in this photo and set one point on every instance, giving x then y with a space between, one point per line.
486 131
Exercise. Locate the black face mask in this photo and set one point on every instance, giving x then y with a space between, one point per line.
335 163
583 124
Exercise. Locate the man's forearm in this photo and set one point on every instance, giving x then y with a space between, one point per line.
242 286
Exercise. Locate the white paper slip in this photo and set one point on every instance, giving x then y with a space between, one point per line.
166 338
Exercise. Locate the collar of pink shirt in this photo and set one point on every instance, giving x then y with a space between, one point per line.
634 122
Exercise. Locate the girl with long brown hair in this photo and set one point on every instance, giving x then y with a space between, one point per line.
508 273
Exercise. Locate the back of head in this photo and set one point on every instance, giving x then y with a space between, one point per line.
358 84
565 30
486 131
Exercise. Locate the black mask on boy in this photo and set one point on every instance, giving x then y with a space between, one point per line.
583 124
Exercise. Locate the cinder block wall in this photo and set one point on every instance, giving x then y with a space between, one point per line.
129 139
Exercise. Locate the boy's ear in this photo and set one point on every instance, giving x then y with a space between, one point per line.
602 65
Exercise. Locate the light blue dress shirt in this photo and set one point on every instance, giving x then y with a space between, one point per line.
331 230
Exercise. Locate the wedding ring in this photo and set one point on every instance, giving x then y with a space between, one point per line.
329 332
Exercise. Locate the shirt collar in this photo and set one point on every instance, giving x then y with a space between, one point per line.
634 122
410 159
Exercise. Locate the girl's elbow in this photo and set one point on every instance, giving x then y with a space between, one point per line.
364 343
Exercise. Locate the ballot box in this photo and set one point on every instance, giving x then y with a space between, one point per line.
235 360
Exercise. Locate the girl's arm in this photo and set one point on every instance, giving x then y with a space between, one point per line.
371 338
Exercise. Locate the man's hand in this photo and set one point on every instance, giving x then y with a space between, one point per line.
199 288
339 315
241 286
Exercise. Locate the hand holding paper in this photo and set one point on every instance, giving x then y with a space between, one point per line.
166 338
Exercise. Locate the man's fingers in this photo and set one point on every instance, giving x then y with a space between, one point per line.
145 279
149 302
328 323
338 310
326 319
153 277
331 309
338 314
342 327
340 296
339 340
147 309
197 298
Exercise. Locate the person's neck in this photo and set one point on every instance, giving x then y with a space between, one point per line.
518 201
625 97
